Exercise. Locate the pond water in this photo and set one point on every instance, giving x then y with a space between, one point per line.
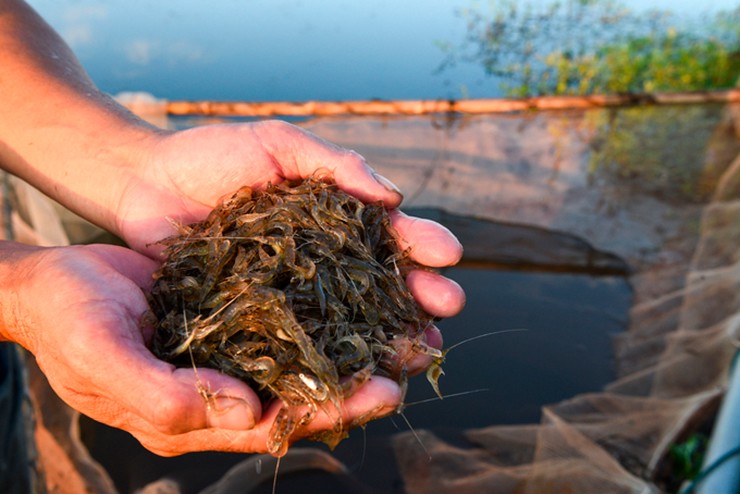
292 50
564 348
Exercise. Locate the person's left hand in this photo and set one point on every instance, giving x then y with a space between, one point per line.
80 311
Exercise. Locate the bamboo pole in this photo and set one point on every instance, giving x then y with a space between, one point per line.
421 107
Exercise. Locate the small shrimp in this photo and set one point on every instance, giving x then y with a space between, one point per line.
290 289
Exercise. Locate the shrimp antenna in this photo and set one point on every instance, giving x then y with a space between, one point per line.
451 395
485 335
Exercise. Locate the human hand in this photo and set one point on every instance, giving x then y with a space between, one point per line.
182 175
79 311
79 308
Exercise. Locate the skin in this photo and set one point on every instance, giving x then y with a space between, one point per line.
80 309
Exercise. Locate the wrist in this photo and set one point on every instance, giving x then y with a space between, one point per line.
89 169
16 272
108 175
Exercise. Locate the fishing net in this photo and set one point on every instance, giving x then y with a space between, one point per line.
651 189
672 362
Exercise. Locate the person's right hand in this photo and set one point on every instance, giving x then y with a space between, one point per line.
79 311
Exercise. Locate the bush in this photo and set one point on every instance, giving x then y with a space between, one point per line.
581 47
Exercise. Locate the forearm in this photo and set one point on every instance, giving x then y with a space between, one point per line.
57 130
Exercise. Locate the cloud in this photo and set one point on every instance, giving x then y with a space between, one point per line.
140 51
184 51
85 11
146 51
77 36
77 21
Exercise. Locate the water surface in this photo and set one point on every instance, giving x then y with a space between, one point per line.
294 50
567 320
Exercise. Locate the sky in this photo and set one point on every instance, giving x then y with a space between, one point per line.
263 50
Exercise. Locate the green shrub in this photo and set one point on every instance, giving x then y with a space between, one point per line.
580 47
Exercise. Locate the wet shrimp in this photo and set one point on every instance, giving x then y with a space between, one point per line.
298 290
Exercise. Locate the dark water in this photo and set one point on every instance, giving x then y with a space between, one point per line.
564 348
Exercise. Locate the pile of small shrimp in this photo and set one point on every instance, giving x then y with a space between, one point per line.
298 290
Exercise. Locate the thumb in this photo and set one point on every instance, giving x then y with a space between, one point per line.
170 400
189 399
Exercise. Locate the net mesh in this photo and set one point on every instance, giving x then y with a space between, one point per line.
657 187
673 367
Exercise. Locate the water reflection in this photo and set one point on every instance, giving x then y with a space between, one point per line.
292 50
263 51
676 154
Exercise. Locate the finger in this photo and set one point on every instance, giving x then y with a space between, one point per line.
309 154
377 397
130 264
431 244
421 360
357 178
415 355
211 439
228 403
221 440
187 400
172 400
439 296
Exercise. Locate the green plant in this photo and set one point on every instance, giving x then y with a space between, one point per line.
671 61
579 47
688 456
658 150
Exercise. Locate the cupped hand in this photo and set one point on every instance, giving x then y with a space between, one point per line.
81 311
183 174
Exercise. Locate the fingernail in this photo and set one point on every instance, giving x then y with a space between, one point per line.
387 184
228 412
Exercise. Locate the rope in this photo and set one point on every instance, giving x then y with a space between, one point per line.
422 107
701 476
